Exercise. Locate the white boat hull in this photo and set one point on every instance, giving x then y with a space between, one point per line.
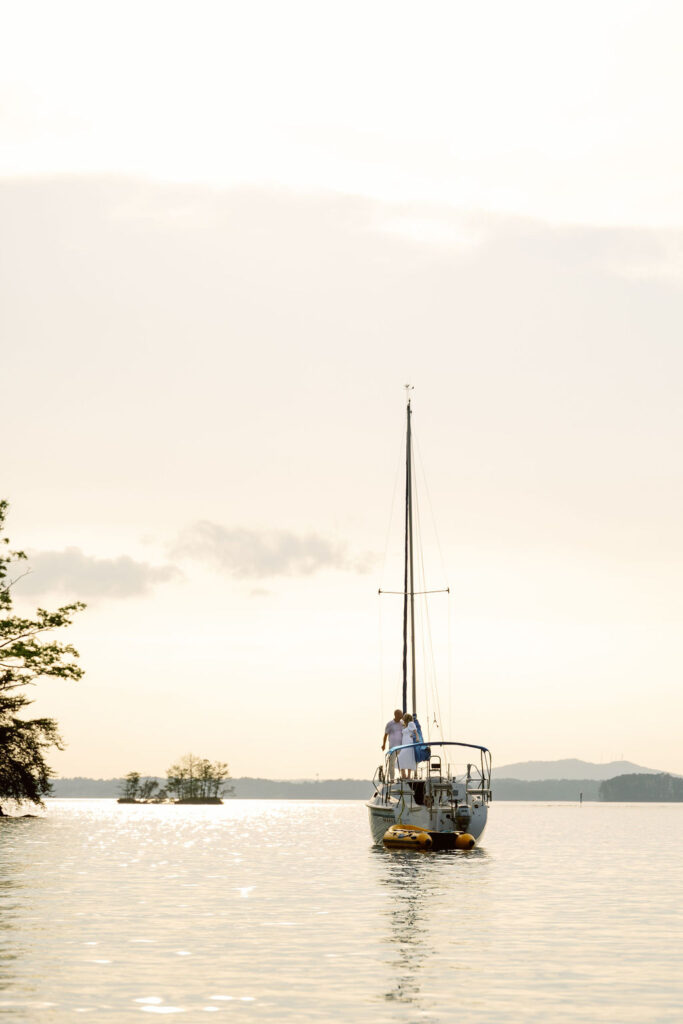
388 808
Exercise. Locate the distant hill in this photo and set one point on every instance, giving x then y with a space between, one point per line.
325 789
562 782
643 788
545 789
94 788
244 788
569 768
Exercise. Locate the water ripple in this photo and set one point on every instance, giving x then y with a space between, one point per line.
282 911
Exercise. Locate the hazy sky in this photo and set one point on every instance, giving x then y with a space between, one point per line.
230 234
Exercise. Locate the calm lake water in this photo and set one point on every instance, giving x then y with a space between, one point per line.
282 911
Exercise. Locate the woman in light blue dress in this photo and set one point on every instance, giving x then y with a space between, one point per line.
406 758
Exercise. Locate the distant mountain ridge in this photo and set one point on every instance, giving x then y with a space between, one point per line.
505 787
569 768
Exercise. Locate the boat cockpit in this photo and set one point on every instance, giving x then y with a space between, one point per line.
444 776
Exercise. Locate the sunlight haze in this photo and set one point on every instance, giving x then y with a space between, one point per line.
231 234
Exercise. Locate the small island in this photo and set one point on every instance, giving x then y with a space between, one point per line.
192 780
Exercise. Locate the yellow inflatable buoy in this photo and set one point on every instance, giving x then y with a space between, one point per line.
464 841
405 837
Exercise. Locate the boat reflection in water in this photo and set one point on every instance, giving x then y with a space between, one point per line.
406 912
424 936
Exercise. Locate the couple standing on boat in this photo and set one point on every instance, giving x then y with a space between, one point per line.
401 729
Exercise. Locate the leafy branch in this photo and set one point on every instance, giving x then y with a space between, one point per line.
25 656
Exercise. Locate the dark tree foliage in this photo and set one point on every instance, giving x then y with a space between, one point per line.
641 788
148 789
26 654
195 778
134 789
130 788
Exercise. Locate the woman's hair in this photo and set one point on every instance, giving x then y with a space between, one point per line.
407 717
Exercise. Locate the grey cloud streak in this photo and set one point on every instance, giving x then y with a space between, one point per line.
86 576
258 554
235 551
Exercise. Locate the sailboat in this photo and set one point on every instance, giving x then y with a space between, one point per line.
444 805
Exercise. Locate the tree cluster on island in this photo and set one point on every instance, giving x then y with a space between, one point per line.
138 790
25 656
192 780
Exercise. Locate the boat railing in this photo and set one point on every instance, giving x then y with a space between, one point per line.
478 781
480 788
472 779
434 763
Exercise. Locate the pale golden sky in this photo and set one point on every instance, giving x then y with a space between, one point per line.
230 234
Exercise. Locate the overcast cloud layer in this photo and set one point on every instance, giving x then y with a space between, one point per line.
234 358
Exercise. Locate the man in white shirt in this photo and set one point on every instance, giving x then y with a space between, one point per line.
394 733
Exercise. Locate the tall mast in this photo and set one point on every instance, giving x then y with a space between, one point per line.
408 578
405 568
409 546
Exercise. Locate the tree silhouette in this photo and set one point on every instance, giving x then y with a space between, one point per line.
195 778
25 656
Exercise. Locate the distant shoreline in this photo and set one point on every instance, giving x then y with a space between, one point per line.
569 790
